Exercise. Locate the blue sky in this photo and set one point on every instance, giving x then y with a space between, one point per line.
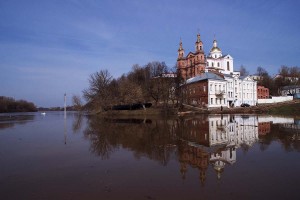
51 47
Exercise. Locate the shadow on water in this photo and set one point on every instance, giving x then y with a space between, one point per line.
199 142
10 120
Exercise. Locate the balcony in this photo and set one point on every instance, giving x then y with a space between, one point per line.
220 93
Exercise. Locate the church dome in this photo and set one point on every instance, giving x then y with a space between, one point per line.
215 48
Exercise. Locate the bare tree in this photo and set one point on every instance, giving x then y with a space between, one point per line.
243 71
77 103
98 94
130 92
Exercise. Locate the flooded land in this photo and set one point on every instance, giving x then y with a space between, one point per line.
53 156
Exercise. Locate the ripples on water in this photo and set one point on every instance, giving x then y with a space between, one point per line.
199 157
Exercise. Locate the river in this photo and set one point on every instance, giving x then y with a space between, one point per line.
53 156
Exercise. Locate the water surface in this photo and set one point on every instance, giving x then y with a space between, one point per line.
200 157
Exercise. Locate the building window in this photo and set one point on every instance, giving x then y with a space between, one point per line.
204 88
212 64
228 67
211 101
218 64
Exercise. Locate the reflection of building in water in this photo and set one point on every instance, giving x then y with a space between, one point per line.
295 126
264 128
276 119
222 157
292 130
264 123
232 130
195 157
214 140
195 130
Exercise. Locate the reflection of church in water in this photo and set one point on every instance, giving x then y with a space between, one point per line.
213 141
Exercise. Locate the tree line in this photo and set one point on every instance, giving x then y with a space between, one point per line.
286 76
9 104
142 84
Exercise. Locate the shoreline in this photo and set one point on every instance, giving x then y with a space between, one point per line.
284 108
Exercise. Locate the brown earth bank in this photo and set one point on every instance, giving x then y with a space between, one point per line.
142 112
283 108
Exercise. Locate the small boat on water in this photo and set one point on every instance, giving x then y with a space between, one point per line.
43 113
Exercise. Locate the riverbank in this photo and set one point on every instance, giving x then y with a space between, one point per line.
284 108
141 112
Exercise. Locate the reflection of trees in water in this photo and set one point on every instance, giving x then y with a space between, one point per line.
289 139
8 121
153 140
6 125
77 123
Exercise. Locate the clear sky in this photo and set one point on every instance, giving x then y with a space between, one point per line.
51 47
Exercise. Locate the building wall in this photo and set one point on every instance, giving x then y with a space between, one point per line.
220 64
290 91
192 65
275 99
262 92
197 93
217 93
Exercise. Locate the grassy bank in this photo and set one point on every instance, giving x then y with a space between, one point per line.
286 109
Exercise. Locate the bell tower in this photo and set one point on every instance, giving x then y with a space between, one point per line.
198 44
180 51
181 61
199 56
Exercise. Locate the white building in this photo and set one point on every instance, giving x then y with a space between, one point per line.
225 86
215 60
239 89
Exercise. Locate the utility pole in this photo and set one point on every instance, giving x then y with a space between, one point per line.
65 106
65 118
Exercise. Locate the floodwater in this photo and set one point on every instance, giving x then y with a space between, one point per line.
199 157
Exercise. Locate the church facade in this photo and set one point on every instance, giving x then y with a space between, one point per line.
210 81
194 63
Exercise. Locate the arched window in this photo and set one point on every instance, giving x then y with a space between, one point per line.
212 64
218 64
228 68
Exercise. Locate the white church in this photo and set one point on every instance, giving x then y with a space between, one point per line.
225 88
